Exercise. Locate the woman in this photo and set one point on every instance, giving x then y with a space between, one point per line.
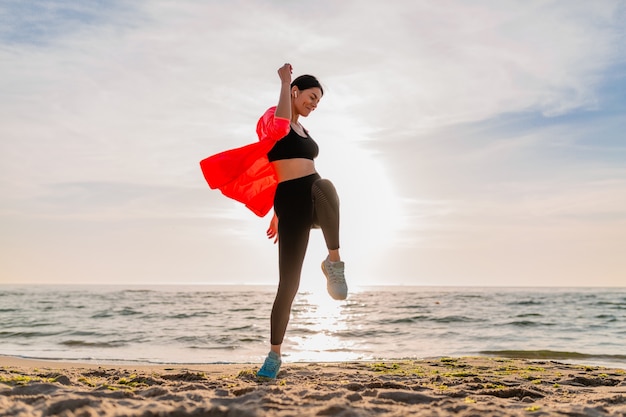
281 168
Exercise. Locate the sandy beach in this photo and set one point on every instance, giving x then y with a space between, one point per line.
466 386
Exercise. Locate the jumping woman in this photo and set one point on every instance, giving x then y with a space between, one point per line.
279 170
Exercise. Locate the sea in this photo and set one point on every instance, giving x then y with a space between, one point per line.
230 324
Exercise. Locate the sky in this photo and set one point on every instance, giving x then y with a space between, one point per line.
472 143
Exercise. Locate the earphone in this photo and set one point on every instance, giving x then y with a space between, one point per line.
295 94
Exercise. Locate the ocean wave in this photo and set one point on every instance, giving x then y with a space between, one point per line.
252 339
83 343
608 317
404 320
40 324
614 306
527 303
127 311
241 328
200 314
102 315
410 307
356 333
190 326
84 333
226 347
27 335
456 319
528 323
187 339
470 296
424 318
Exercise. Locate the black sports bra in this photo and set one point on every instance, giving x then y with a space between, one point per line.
294 146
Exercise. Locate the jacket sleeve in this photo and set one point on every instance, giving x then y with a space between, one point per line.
270 127
229 166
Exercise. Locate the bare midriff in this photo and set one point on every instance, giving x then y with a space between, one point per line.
290 169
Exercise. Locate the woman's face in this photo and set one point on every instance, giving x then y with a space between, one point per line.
305 101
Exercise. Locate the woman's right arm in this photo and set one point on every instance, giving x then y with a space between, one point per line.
283 109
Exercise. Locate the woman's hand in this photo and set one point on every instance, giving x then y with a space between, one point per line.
284 73
283 108
272 231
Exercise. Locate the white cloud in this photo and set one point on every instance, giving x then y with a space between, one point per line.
460 62
109 113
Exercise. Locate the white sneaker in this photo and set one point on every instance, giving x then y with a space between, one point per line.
336 281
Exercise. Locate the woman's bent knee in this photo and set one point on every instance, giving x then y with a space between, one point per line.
325 189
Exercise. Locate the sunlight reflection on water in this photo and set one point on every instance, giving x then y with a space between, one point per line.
316 337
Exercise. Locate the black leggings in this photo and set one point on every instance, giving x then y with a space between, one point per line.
300 204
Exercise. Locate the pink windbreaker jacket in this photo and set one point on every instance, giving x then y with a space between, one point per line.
245 174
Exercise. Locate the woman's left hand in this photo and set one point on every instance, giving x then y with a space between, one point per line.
272 231
284 73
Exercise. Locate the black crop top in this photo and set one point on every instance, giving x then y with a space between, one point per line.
294 146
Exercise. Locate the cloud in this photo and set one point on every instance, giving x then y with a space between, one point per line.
507 58
465 115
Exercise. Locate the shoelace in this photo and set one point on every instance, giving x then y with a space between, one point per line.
336 280
271 364
335 275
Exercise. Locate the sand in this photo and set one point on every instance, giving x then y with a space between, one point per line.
466 386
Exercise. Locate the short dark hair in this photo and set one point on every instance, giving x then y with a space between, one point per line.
305 82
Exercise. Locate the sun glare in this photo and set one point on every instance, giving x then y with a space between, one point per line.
371 213
318 320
